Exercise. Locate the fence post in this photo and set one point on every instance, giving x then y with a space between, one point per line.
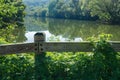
40 63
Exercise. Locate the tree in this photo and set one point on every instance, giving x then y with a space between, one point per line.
107 10
11 12
11 16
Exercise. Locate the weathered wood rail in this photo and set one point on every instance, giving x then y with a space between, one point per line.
43 46
40 47
51 47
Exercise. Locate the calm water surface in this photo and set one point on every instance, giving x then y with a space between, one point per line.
68 30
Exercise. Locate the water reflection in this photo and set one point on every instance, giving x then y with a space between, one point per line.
69 30
73 28
36 24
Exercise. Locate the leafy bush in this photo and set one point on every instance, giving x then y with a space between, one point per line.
101 64
11 13
16 67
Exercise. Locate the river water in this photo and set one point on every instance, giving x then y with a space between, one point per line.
68 30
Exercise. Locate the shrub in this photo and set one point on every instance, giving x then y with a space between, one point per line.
101 64
16 67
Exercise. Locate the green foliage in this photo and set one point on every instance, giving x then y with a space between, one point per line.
11 16
72 9
36 7
67 66
104 10
101 64
11 12
2 41
105 61
107 10
7 34
12 35
16 67
59 9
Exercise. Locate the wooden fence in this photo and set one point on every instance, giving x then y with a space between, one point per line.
40 45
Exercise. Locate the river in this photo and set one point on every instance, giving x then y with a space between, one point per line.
68 30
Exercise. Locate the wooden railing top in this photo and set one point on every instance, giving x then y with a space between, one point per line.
16 48
40 46
51 47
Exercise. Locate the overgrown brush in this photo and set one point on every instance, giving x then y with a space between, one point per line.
101 64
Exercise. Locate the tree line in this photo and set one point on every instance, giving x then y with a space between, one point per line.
103 10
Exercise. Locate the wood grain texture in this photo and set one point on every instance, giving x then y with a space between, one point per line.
17 48
72 46
52 47
67 47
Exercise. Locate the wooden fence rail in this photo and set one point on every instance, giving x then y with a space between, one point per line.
40 47
51 47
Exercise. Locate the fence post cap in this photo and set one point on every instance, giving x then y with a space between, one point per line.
39 37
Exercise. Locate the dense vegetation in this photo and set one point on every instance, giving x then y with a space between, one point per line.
35 7
101 64
104 10
11 13
11 17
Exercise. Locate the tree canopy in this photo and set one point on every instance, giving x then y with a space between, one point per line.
11 13
11 16
103 10
107 10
